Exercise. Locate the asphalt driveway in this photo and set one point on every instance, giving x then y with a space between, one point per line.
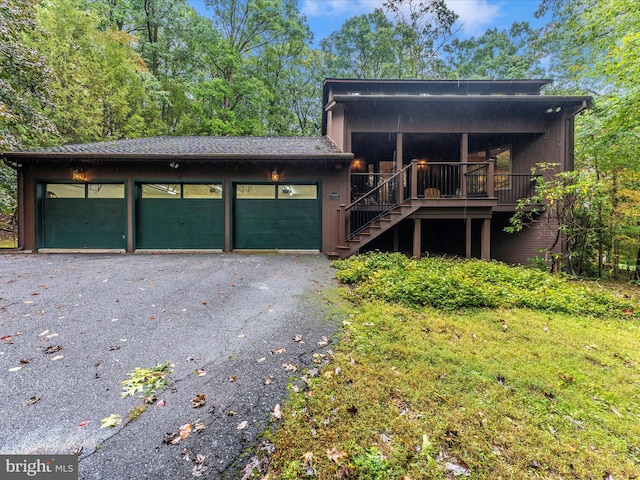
237 329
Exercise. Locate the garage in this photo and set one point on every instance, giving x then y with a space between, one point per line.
276 216
180 216
81 215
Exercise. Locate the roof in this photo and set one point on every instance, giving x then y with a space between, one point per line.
196 148
437 87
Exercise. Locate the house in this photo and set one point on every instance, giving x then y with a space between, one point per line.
408 165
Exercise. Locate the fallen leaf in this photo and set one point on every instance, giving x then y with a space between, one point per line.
198 426
52 349
114 347
57 357
231 413
84 423
268 380
162 403
334 454
150 399
112 420
185 430
171 438
199 400
232 378
242 425
260 360
201 372
15 369
43 333
199 469
614 410
33 400
277 412
276 351
26 360
52 335
27 302
307 462
290 366
352 409
324 341
298 338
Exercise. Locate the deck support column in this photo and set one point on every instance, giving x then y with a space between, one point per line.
417 237
467 222
485 245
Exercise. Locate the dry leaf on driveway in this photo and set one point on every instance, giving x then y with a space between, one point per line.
277 412
199 400
242 425
112 420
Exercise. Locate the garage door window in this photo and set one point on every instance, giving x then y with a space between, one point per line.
298 192
185 190
85 190
212 190
256 192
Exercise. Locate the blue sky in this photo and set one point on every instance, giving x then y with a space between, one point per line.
476 16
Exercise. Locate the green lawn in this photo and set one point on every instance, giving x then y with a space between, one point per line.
415 392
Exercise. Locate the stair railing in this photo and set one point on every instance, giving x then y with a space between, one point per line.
375 204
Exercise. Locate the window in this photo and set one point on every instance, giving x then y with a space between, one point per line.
502 167
160 190
251 191
212 190
85 190
298 192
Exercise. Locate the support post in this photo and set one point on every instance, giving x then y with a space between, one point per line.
414 178
468 237
417 237
485 246
342 236
491 179
464 160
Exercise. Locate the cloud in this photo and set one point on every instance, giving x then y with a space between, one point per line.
475 15
341 8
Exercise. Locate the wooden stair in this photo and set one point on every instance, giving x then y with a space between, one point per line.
377 228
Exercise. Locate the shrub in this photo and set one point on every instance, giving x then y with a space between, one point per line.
450 284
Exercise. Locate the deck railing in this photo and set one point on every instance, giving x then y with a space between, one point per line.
374 195
511 187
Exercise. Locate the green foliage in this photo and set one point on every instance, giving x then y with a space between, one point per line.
497 54
452 284
24 79
146 380
370 463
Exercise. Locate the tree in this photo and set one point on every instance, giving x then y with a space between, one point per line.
594 46
24 91
24 79
102 88
498 54
366 46
426 27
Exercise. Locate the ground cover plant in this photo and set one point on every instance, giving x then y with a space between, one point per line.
464 368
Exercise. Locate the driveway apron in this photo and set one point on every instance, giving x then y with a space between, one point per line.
237 330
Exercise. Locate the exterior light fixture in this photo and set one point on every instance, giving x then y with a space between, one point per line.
78 175
174 164
275 176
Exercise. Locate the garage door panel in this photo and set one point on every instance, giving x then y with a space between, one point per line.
84 223
181 223
277 223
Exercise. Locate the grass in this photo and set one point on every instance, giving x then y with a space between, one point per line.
8 243
417 392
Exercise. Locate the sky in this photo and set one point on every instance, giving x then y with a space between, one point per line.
476 16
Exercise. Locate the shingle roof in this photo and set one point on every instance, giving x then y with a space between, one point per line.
295 147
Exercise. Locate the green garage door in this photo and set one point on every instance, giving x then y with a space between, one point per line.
180 216
82 215
276 217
